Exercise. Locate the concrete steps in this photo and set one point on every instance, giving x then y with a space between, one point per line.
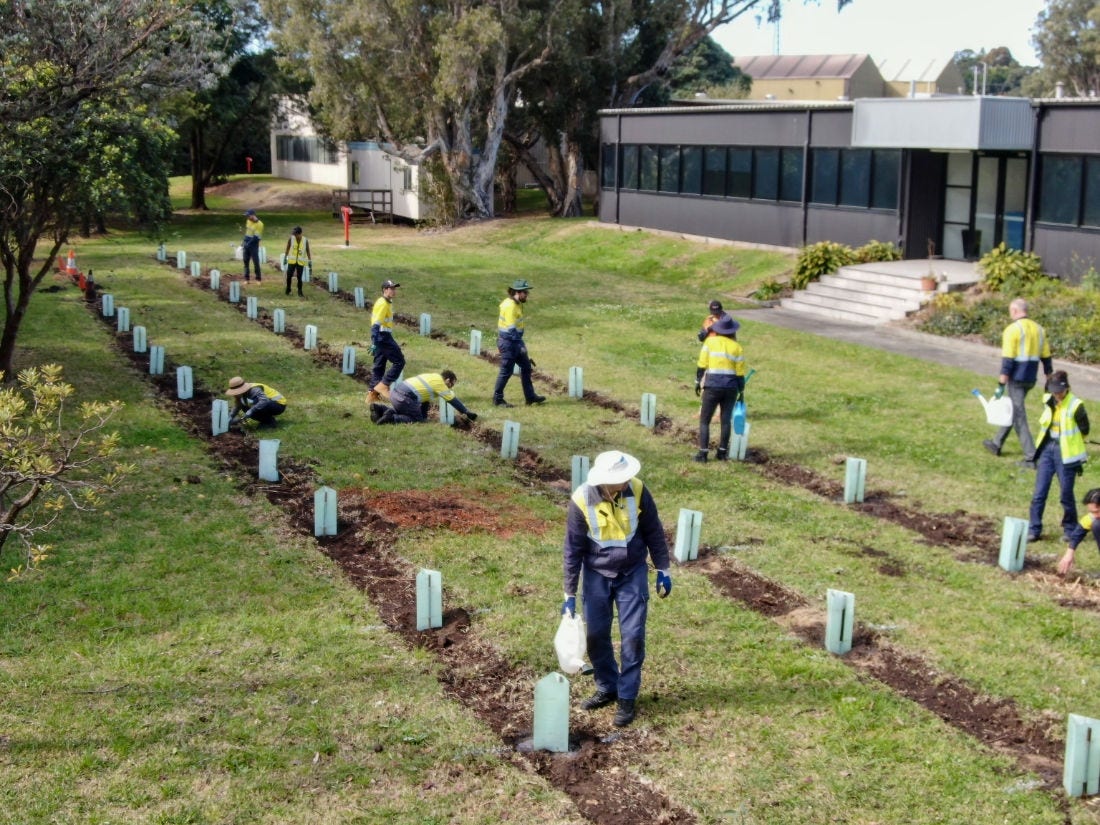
872 293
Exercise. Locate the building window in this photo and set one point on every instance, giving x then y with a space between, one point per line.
407 180
1060 189
607 166
855 177
305 149
355 172
885 176
714 170
765 174
1091 213
790 174
647 176
629 169
739 181
825 175
669 176
691 170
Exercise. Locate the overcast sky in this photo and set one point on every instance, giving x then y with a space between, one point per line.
922 29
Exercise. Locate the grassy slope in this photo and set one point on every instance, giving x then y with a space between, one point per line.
197 663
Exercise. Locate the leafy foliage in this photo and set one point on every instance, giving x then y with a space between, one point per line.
79 139
820 259
46 464
873 251
1003 267
1068 43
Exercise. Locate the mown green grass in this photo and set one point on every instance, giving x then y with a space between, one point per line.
190 659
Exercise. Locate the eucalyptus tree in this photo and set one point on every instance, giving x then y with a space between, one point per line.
615 53
78 136
1067 39
433 79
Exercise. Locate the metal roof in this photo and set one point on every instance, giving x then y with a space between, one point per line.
772 66
903 70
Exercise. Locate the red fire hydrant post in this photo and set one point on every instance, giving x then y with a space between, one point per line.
248 165
346 210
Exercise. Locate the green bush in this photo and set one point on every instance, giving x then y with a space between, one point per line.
820 259
1002 267
769 290
873 251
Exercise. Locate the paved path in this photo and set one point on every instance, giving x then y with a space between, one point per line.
981 359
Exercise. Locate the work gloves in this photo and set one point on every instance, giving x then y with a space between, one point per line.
664 583
471 415
569 606
999 391
373 349
698 389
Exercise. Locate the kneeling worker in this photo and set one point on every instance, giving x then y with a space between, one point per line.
259 402
412 397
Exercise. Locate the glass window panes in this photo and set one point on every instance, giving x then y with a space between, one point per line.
1060 189
1090 216
826 176
790 174
629 168
691 170
607 166
739 179
765 174
647 177
714 170
669 179
855 177
885 172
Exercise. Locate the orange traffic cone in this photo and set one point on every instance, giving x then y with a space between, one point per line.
70 264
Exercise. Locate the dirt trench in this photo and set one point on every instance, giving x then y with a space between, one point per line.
500 695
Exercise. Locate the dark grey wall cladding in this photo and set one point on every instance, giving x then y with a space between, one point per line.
1067 251
1070 129
854 228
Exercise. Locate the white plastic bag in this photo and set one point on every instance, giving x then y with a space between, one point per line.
570 643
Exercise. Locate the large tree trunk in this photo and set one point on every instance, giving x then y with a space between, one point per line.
198 175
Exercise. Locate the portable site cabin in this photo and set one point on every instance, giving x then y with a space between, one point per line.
962 172
365 175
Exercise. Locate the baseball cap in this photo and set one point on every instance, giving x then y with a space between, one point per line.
715 306
251 212
388 284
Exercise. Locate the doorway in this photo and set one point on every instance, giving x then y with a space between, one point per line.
985 200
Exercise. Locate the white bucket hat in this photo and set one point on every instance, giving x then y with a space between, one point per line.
613 467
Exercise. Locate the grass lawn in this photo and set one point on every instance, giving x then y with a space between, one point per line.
189 657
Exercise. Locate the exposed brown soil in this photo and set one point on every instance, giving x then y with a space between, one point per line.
596 773
273 195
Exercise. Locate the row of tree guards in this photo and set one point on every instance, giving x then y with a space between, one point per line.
1081 770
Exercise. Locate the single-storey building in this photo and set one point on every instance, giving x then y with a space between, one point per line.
367 175
956 174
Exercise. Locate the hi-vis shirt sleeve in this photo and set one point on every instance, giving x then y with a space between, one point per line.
431 385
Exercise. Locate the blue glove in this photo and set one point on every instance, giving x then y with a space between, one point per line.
999 391
373 349
569 606
664 583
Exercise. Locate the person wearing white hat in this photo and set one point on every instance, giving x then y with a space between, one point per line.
611 527
259 402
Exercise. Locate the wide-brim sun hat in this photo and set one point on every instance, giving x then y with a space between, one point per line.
521 285
613 467
725 326
237 386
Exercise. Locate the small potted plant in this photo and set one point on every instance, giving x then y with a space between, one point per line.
929 280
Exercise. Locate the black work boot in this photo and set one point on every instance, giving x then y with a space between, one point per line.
535 399
500 402
599 699
625 713
701 457
722 454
